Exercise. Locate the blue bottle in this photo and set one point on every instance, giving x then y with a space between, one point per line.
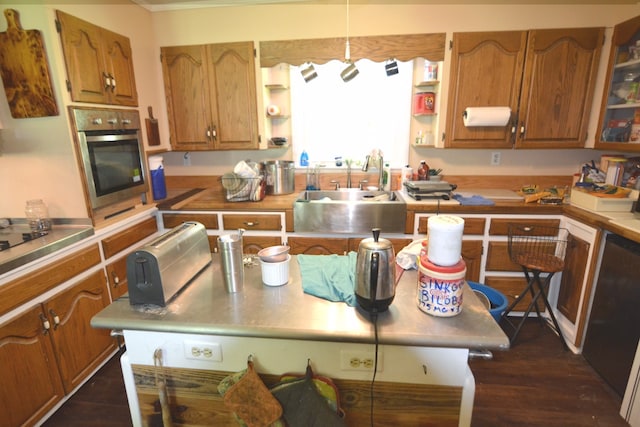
304 158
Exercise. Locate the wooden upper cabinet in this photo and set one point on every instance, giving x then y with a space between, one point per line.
99 63
557 87
619 124
486 71
211 96
546 77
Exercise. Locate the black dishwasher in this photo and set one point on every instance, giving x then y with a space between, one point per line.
614 323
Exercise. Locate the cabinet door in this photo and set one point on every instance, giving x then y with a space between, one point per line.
472 256
318 245
184 70
253 244
619 103
557 90
78 347
84 59
232 85
31 383
119 66
117 277
570 291
486 71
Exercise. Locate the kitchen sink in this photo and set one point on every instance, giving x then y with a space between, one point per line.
349 210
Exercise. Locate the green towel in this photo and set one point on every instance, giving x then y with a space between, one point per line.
330 277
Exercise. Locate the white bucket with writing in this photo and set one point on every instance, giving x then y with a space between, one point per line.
440 289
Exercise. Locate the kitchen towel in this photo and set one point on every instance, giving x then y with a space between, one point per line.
474 200
486 116
329 277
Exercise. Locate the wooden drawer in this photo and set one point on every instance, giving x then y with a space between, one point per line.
252 222
117 277
23 289
120 241
500 226
210 221
511 288
471 225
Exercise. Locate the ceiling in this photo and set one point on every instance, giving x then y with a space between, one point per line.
157 5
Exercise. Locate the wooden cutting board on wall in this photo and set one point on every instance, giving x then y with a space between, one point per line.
25 71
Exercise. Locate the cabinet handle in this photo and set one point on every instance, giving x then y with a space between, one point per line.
107 80
56 319
522 129
250 223
113 83
45 324
214 132
115 279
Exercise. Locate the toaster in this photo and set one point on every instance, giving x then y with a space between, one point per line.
157 271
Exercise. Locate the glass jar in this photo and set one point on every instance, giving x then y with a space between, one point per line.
38 215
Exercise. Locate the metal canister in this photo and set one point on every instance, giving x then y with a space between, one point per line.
280 176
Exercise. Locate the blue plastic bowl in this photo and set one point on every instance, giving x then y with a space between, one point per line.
498 299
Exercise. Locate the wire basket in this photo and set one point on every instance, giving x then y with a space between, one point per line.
538 247
244 189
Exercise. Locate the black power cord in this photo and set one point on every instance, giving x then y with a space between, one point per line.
374 319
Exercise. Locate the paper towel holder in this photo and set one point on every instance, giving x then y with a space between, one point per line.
487 116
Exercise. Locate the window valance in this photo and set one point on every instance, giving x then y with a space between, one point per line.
376 48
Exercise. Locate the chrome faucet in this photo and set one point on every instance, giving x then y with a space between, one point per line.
348 162
365 168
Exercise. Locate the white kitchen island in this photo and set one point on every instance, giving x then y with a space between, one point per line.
422 359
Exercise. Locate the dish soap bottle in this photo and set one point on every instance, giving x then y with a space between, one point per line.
304 158
386 177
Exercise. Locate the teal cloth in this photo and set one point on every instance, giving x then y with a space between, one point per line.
330 277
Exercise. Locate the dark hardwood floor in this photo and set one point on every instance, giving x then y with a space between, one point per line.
535 383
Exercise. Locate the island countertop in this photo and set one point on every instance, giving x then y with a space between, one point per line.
204 307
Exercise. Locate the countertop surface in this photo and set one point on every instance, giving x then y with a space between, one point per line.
205 307
64 232
625 224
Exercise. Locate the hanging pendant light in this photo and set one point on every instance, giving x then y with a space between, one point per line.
351 70
309 73
391 67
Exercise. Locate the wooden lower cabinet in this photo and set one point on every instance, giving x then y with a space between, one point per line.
472 256
318 245
511 287
50 349
253 244
573 275
117 277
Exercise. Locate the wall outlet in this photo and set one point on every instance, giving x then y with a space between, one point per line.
201 350
359 360
495 158
186 159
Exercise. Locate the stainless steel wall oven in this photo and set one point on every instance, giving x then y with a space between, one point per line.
111 153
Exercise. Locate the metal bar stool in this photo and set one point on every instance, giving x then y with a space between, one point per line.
540 251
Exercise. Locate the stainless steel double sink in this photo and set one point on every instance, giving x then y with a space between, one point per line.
349 210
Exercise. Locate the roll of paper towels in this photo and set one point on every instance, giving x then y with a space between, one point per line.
445 239
486 116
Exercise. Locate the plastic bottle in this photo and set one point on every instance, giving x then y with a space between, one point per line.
423 171
304 158
386 177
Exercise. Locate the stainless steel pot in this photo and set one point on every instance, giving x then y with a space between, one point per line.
375 274
280 175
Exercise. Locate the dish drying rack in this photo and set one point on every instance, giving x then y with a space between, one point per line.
240 189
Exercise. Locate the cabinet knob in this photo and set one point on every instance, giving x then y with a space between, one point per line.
56 319
115 279
45 323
